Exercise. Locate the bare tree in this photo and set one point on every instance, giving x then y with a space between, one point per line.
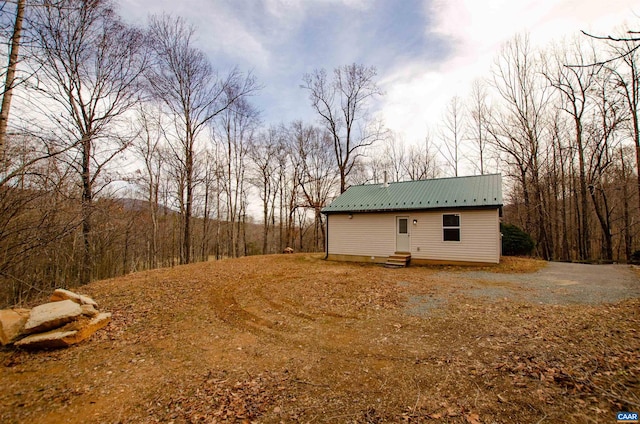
574 84
343 106
385 160
625 174
421 161
89 65
183 79
628 83
518 129
452 134
317 178
561 168
395 153
479 113
264 154
397 161
235 132
148 147
624 50
211 188
289 170
373 168
34 218
632 37
601 134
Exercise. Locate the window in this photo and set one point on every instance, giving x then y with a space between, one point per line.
402 226
451 227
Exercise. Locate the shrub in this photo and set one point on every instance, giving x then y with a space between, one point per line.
635 258
515 242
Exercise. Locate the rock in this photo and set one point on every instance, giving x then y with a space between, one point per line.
49 340
62 294
70 334
287 250
67 319
12 323
89 311
52 315
96 323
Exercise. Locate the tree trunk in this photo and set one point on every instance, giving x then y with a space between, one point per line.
603 219
244 234
628 238
154 222
280 223
86 206
125 254
585 250
185 258
343 182
566 251
218 220
527 202
265 228
636 136
205 224
540 215
322 232
10 77
577 222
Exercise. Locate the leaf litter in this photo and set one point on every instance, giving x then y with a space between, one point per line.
297 339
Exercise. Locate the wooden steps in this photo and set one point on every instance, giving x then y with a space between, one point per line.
398 260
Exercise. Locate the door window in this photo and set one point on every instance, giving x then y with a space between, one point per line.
402 226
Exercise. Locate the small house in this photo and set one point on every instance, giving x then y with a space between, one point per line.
438 221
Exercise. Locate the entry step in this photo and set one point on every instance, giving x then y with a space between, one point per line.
398 260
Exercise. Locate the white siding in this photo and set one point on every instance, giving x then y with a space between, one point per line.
374 234
366 234
479 237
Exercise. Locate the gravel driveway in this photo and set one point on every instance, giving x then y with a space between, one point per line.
557 283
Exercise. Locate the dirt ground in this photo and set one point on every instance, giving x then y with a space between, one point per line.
293 338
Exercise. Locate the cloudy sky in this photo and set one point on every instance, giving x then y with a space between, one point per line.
425 51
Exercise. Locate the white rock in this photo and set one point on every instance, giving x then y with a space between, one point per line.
52 315
62 294
89 310
49 340
12 322
70 334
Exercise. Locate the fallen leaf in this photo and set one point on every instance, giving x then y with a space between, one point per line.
473 418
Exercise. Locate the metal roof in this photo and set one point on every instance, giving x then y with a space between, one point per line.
458 192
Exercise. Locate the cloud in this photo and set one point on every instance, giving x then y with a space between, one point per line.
224 31
425 51
330 33
418 92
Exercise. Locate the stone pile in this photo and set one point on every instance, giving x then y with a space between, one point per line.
67 319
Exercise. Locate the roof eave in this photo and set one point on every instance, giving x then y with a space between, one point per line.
432 209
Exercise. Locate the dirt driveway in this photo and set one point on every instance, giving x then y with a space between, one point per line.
557 284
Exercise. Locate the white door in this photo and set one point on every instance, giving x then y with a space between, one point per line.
402 234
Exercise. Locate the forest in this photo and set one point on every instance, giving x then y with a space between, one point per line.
124 148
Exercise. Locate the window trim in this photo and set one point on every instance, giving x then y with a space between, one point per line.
452 227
